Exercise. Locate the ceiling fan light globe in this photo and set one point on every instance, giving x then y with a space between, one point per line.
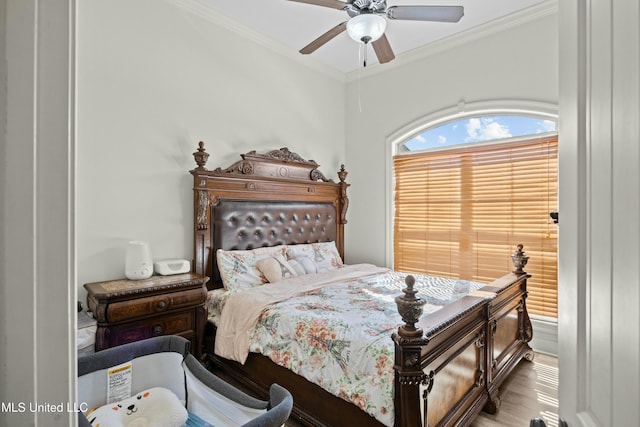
366 28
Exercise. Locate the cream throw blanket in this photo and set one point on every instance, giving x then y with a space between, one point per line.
242 310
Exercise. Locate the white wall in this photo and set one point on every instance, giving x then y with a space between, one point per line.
513 60
153 80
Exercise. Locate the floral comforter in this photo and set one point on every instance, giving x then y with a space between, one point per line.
339 336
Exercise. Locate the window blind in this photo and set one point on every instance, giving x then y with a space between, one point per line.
461 212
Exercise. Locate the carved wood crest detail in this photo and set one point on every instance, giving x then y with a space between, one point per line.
281 163
316 175
242 167
282 154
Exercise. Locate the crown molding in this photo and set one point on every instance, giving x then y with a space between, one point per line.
535 12
524 16
197 8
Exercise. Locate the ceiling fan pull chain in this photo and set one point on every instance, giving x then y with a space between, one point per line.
364 48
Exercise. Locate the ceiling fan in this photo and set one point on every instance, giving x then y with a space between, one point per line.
366 23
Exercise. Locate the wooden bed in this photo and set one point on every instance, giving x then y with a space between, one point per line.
448 365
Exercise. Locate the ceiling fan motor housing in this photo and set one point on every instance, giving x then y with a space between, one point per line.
359 7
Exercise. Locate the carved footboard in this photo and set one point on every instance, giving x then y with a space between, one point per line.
448 365
451 363
440 375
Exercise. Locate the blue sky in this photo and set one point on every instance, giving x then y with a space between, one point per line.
478 129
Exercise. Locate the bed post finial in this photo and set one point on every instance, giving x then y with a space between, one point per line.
342 173
519 259
410 308
201 156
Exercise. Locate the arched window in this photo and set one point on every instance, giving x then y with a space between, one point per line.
468 191
478 129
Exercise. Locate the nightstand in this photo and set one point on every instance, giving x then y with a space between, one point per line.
132 310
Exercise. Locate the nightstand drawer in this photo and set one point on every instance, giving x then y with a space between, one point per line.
182 323
141 307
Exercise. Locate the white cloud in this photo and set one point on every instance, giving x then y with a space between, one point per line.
420 138
546 126
473 128
485 129
495 130
442 139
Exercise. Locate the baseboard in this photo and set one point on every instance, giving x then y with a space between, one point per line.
545 336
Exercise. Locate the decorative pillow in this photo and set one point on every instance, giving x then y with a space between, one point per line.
238 269
305 264
324 254
275 268
297 267
157 407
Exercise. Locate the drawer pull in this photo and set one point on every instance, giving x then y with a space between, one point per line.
162 305
157 330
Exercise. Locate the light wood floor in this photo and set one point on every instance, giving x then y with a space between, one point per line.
531 391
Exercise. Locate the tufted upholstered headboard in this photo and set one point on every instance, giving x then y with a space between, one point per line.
263 200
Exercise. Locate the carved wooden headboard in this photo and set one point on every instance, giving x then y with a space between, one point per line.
267 199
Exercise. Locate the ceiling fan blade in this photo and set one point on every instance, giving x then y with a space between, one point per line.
311 47
383 49
334 4
426 13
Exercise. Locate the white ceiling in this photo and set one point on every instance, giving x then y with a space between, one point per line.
294 25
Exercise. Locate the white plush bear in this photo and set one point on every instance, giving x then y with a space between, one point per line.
155 407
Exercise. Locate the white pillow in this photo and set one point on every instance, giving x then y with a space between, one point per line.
276 268
238 269
323 254
298 268
305 264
